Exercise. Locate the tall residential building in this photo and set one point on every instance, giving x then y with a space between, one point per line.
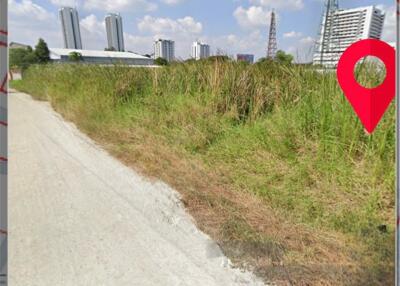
70 26
164 49
115 34
200 51
341 28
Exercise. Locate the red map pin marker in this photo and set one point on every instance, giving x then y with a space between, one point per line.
369 103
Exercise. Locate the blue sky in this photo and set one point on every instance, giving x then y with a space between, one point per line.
229 26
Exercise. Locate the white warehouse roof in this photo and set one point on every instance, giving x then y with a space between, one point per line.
56 54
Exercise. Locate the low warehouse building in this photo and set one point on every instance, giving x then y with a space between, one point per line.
101 57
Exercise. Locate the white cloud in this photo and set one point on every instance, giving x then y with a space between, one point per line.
303 50
183 31
28 8
172 2
139 44
93 33
253 43
60 3
29 21
279 4
253 17
307 40
93 25
389 29
292 34
120 5
170 26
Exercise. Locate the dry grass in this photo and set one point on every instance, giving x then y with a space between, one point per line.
250 233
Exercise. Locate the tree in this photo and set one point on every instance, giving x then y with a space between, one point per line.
283 58
21 58
161 62
42 52
31 58
75 57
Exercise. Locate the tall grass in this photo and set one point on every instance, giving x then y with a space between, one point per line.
285 134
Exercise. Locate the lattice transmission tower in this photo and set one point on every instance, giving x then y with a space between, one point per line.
272 44
327 37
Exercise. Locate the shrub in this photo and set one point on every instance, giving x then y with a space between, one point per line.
75 57
161 62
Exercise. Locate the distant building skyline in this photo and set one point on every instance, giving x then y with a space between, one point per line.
249 58
70 28
342 27
164 49
231 28
200 50
115 33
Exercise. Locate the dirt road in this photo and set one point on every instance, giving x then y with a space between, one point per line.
79 217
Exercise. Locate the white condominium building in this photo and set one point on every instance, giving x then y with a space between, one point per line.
200 51
70 26
341 28
115 34
164 49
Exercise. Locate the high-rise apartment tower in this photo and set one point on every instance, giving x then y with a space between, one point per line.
70 28
200 51
115 33
164 49
341 28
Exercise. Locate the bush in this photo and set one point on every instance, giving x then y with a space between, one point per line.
280 58
21 59
161 62
283 58
75 57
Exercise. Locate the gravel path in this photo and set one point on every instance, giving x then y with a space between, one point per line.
79 217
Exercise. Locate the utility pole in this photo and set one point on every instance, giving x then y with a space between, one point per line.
397 264
272 44
3 140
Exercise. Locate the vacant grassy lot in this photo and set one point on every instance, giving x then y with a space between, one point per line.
269 159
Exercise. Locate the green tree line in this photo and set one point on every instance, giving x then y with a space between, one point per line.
22 58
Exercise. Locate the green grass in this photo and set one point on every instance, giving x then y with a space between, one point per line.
284 134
